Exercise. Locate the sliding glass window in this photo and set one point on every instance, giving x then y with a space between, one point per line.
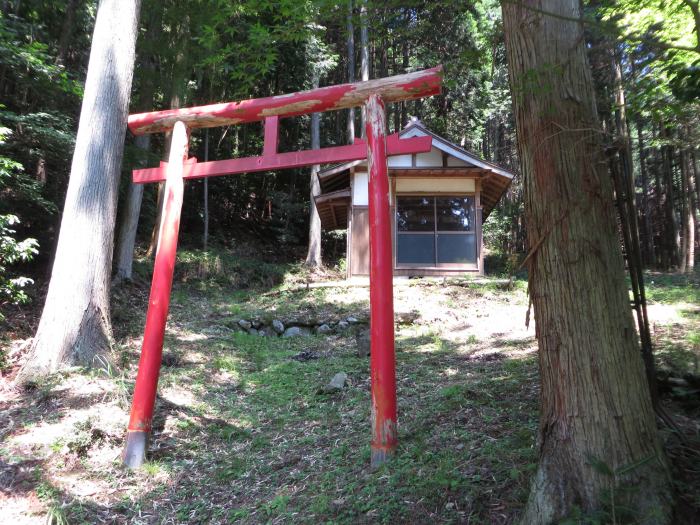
435 231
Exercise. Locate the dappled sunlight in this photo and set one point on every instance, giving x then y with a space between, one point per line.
244 423
665 314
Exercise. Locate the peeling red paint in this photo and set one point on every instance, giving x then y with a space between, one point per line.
278 161
391 89
382 358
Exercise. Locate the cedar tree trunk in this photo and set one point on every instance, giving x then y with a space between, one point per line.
75 324
598 445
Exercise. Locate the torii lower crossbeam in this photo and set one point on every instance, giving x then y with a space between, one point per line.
372 95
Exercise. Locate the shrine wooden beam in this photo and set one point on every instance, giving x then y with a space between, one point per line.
390 89
270 160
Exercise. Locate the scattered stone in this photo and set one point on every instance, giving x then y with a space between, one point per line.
338 380
246 325
256 323
343 325
277 326
352 320
407 317
253 331
262 332
324 329
487 358
293 331
304 356
170 360
362 339
336 384
450 505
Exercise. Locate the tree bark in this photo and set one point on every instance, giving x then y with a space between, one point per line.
597 435
75 325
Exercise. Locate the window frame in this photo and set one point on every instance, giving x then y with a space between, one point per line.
435 233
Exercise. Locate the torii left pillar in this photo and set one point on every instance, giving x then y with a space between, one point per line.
158 303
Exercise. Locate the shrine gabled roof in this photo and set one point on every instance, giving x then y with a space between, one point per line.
495 179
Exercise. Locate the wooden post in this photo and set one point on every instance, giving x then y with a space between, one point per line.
382 360
158 303
478 214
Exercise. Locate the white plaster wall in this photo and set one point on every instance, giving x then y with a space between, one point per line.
400 161
360 186
454 161
431 159
435 185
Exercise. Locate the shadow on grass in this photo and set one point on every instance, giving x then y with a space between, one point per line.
255 441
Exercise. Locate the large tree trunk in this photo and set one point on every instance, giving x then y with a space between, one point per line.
75 325
597 431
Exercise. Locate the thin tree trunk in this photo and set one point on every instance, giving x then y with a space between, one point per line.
66 31
351 69
649 250
206 193
177 99
670 229
689 207
75 325
364 54
404 65
313 256
130 220
596 413
126 241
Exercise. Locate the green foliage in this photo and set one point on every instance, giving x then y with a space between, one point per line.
672 288
12 251
30 60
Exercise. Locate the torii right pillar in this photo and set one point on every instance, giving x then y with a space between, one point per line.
381 293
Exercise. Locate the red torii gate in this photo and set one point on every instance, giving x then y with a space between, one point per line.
370 94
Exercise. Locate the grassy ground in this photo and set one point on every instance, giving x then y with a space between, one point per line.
243 435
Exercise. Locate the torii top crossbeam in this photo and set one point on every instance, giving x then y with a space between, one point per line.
390 89
372 95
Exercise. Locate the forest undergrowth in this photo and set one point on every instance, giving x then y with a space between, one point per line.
246 433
